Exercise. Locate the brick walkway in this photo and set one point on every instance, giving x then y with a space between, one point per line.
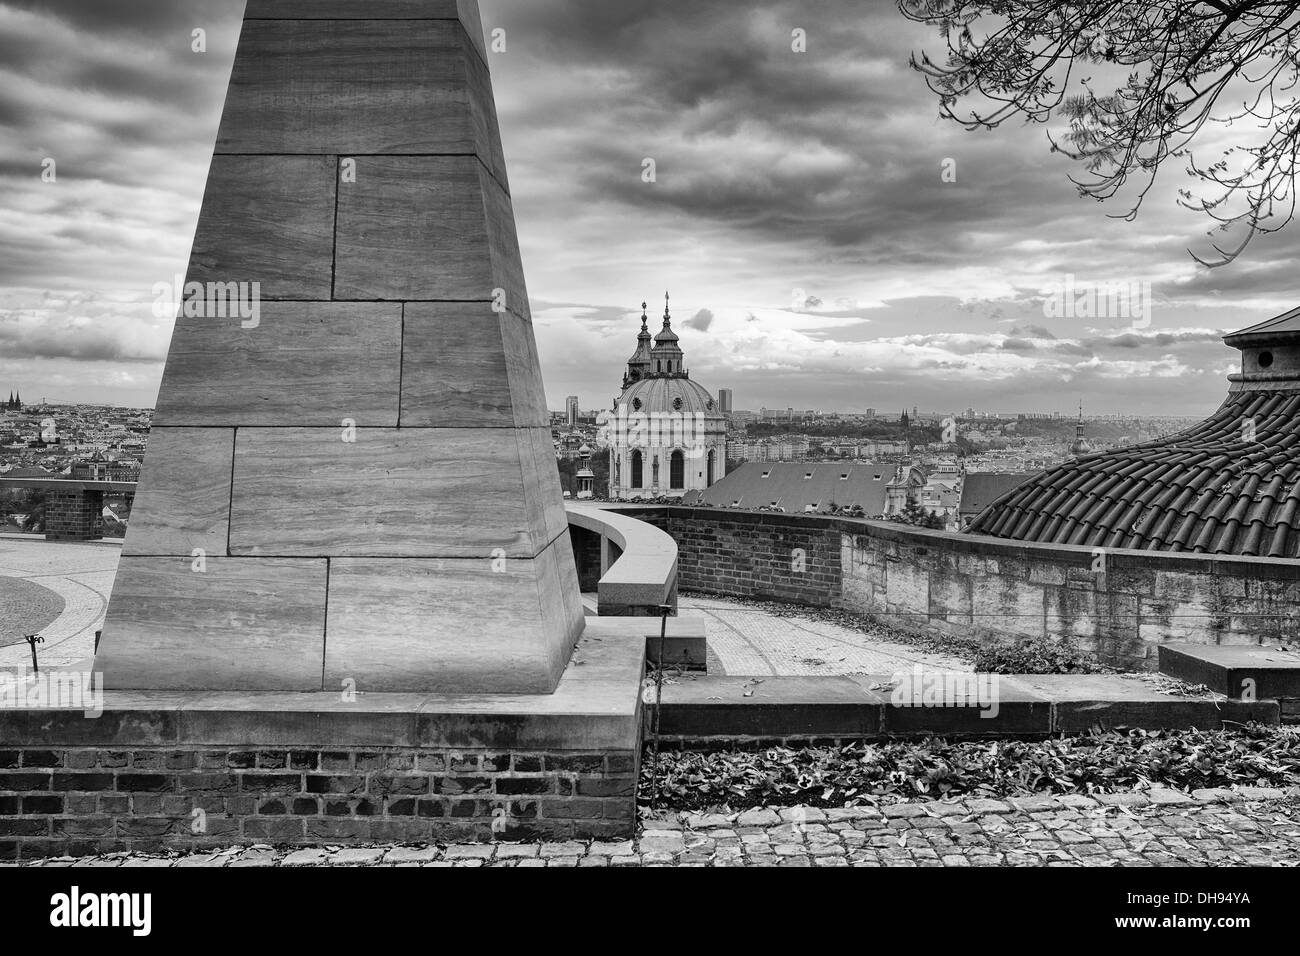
1252 826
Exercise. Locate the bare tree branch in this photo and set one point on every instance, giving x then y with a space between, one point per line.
1169 68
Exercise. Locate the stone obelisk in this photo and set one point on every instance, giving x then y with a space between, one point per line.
350 481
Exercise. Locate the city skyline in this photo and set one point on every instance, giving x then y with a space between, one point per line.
776 171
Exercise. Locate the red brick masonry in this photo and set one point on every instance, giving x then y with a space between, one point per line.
87 800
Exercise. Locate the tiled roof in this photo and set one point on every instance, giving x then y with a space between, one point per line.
1212 489
1279 327
793 486
980 489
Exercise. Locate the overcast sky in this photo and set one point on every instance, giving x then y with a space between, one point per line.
777 171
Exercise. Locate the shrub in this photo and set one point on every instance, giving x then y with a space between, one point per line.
1037 655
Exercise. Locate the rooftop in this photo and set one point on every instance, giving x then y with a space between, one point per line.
800 486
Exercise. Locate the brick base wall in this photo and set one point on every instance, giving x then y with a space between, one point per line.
947 584
85 800
74 516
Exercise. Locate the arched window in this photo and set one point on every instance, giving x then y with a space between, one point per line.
678 470
636 469
709 474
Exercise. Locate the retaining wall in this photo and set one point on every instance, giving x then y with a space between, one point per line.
1121 604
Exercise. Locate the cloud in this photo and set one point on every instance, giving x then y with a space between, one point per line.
777 172
700 321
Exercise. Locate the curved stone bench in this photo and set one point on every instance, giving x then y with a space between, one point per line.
638 562
632 566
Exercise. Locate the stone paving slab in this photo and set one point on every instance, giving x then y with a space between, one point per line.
1249 826
749 641
81 573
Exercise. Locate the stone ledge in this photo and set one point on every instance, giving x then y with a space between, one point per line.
1235 670
1118 559
699 712
594 706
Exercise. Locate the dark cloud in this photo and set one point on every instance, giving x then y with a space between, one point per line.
1032 331
700 321
148 17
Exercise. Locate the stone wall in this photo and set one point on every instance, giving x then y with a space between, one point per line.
1120 604
83 800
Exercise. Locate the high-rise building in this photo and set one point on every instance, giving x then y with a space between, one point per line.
571 403
725 400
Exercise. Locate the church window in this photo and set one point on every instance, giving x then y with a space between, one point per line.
636 469
677 473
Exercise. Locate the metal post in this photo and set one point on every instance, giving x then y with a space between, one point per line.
32 640
665 610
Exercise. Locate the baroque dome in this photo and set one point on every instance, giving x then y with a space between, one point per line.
662 395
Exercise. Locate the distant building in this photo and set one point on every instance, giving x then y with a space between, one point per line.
1080 445
667 434
571 410
15 403
586 477
796 487
725 400
981 489
940 496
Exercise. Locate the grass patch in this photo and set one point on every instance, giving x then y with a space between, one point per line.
893 770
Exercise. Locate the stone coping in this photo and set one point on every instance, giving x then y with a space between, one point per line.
596 706
1117 559
697 709
67 484
645 572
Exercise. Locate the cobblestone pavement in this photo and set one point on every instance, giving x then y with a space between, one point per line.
1252 826
79 572
749 641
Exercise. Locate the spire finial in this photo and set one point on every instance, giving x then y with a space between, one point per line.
667 316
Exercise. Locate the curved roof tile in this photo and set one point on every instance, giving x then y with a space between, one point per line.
1219 487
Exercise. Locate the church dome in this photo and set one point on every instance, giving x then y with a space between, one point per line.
679 395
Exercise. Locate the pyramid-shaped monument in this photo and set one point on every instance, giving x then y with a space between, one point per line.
352 484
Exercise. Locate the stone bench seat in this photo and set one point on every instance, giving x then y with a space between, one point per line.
638 562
